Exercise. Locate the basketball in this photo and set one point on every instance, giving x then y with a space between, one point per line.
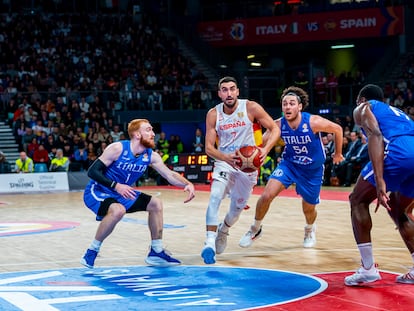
249 159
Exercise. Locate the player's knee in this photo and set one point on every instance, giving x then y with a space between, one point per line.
212 210
353 199
155 205
117 211
266 197
233 216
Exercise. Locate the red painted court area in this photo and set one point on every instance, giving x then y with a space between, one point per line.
383 295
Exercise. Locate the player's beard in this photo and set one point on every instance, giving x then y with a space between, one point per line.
148 143
230 104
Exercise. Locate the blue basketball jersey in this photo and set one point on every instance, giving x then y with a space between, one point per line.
302 146
388 117
398 134
128 168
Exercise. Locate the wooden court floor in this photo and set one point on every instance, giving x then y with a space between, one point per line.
279 248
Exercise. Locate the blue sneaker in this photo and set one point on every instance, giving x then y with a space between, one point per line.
209 255
88 259
161 259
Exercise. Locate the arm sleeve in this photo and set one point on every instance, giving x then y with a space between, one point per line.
96 172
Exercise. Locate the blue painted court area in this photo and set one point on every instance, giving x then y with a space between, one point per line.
148 288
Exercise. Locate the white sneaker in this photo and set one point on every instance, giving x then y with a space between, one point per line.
250 237
221 240
310 237
362 276
208 254
407 278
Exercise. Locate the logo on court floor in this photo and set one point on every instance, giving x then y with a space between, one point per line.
201 288
32 227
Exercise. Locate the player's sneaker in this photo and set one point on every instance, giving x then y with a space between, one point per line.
88 260
221 240
208 253
162 258
362 276
310 237
407 278
250 237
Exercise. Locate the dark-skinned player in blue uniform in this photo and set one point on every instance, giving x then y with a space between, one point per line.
388 177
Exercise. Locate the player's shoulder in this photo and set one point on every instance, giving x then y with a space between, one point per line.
115 147
250 102
212 112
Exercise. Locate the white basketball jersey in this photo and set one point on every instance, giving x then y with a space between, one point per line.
235 130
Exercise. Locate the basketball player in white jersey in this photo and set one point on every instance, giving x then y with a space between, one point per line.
232 124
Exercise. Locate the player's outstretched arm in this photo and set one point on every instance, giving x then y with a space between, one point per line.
364 117
172 177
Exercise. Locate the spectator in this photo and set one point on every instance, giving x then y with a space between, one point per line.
80 160
398 101
32 147
50 143
68 149
332 86
94 153
329 148
319 85
155 100
198 141
24 164
162 144
206 98
103 134
357 162
301 81
116 133
41 155
179 144
60 163
28 138
172 144
352 150
4 164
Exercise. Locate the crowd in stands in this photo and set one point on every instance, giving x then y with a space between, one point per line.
64 75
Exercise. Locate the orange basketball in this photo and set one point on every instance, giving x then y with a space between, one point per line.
249 159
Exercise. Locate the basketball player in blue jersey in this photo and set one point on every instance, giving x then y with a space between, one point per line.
302 162
388 177
110 193
230 125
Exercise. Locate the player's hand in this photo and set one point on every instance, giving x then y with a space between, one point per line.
382 196
126 191
232 159
191 192
337 158
262 155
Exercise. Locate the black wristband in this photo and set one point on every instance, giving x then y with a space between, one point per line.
113 184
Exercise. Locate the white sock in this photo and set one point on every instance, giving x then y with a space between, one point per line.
157 245
257 224
96 245
367 257
211 237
